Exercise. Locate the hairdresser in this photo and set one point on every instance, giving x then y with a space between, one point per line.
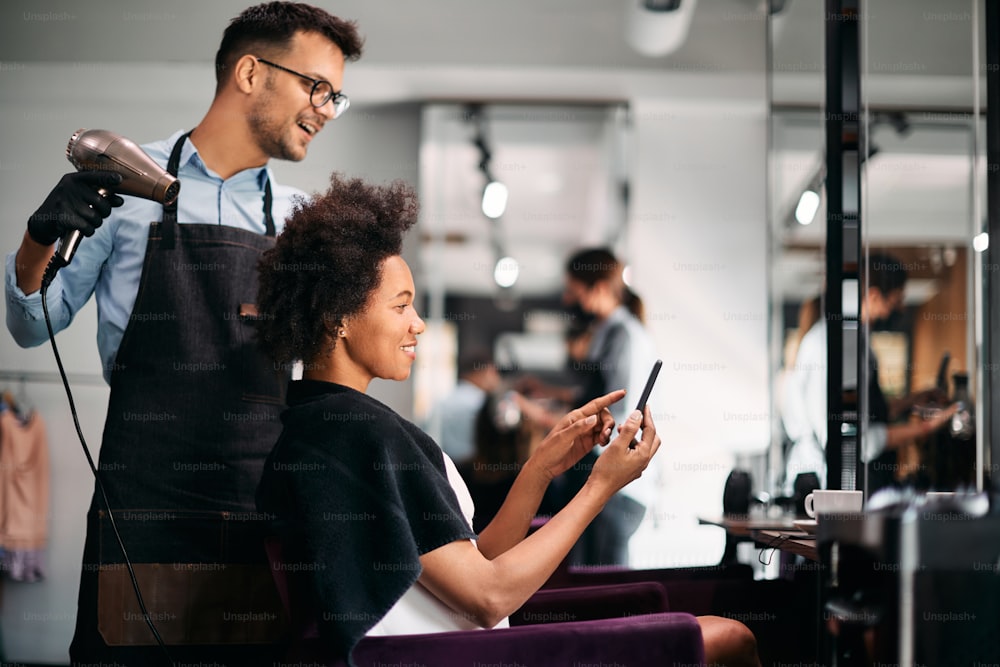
620 355
194 407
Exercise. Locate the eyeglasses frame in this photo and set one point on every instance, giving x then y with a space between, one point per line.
338 98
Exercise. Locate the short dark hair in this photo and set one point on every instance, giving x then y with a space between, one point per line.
269 27
473 360
591 265
326 263
885 272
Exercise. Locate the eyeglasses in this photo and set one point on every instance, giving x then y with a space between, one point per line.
321 93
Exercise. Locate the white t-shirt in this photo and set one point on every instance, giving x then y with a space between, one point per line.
419 611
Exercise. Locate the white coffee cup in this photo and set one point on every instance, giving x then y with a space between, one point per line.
821 502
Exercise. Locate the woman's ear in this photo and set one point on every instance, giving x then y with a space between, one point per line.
339 329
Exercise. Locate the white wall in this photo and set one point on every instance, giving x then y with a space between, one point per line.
698 246
378 143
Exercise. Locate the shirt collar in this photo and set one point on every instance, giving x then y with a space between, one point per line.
189 155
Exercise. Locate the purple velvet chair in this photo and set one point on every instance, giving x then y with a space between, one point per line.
553 628
780 612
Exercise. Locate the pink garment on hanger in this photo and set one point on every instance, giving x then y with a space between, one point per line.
24 495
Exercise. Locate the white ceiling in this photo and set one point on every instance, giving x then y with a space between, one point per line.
469 40
918 56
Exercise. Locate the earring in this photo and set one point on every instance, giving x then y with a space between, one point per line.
342 332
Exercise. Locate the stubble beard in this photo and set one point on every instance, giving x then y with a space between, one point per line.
269 133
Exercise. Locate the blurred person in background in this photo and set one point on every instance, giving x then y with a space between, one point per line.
620 354
454 415
805 397
503 439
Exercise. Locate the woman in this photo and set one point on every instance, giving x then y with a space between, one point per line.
620 354
366 500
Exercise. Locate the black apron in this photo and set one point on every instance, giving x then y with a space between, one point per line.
193 413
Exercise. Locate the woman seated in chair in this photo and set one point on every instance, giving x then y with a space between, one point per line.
365 500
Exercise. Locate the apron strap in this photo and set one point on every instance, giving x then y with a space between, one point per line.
268 220
170 210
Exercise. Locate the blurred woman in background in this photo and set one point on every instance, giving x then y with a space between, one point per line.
619 355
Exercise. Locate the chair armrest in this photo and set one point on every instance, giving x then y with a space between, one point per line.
585 603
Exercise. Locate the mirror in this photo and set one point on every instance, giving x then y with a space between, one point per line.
673 182
922 199
494 283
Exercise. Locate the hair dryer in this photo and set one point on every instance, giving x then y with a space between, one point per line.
91 150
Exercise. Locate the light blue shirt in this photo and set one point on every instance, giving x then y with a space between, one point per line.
457 413
109 263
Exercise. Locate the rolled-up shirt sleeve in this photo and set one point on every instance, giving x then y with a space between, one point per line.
66 295
25 317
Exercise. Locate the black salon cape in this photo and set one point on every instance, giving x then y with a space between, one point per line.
359 494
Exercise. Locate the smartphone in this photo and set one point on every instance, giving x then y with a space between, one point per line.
641 405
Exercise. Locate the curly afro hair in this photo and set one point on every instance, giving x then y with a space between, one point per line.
327 262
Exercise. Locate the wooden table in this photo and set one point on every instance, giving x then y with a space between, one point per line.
742 528
792 541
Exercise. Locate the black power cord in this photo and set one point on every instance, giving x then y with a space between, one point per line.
51 269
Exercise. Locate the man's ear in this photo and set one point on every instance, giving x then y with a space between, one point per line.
247 74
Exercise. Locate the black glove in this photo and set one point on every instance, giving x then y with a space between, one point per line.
75 204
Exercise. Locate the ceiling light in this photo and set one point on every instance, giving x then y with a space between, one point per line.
805 212
658 27
505 272
494 199
981 242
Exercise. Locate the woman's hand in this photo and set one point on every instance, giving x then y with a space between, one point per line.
626 458
576 434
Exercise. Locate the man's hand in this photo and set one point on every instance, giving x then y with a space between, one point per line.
75 204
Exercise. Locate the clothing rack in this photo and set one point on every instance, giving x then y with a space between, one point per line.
75 379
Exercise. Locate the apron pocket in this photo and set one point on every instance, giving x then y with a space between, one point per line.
204 578
263 381
190 603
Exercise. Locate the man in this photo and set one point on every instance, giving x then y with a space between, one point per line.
804 406
194 408
456 412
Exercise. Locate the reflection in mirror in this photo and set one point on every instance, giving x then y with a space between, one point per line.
691 233
921 206
919 186
922 201
495 283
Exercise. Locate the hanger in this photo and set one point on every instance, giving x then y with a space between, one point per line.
19 405
7 400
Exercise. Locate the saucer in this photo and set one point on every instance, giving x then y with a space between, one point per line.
806 525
